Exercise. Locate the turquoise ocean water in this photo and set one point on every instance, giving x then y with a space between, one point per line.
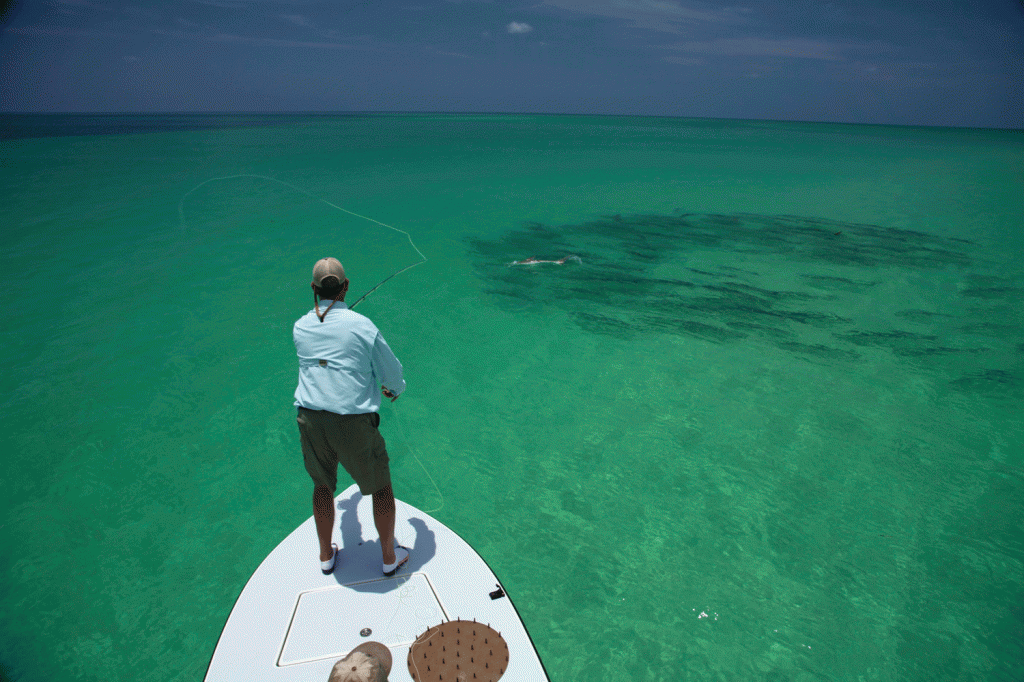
769 428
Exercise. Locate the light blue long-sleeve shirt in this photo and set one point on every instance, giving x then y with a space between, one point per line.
343 362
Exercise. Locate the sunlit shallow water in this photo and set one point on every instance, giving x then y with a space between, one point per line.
767 428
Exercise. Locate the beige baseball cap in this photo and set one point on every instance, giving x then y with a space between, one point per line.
327 267
368 662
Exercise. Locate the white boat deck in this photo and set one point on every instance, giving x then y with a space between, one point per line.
291 622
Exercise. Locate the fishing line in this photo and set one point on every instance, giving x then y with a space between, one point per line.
397 420
181 217
401 434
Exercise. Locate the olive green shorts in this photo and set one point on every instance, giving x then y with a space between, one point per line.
351 439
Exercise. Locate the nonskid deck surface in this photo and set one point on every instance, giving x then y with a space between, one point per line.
291 622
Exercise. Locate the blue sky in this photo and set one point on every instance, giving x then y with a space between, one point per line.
914 62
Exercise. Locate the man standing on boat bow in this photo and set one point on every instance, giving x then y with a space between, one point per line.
342 360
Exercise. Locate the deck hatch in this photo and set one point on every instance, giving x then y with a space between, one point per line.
322 626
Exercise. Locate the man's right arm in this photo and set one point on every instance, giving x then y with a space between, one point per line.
387 368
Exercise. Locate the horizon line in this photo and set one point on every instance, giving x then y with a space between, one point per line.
484 113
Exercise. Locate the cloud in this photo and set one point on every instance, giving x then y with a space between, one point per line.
225 4
77 8
763 47
686 61
516 27
63 31
257 41
298 20
251 4
142 13
655 15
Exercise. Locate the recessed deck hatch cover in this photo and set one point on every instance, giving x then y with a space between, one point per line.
327 622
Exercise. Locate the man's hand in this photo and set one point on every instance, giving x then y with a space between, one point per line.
388 394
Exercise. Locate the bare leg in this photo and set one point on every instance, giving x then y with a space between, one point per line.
384 519
323 512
